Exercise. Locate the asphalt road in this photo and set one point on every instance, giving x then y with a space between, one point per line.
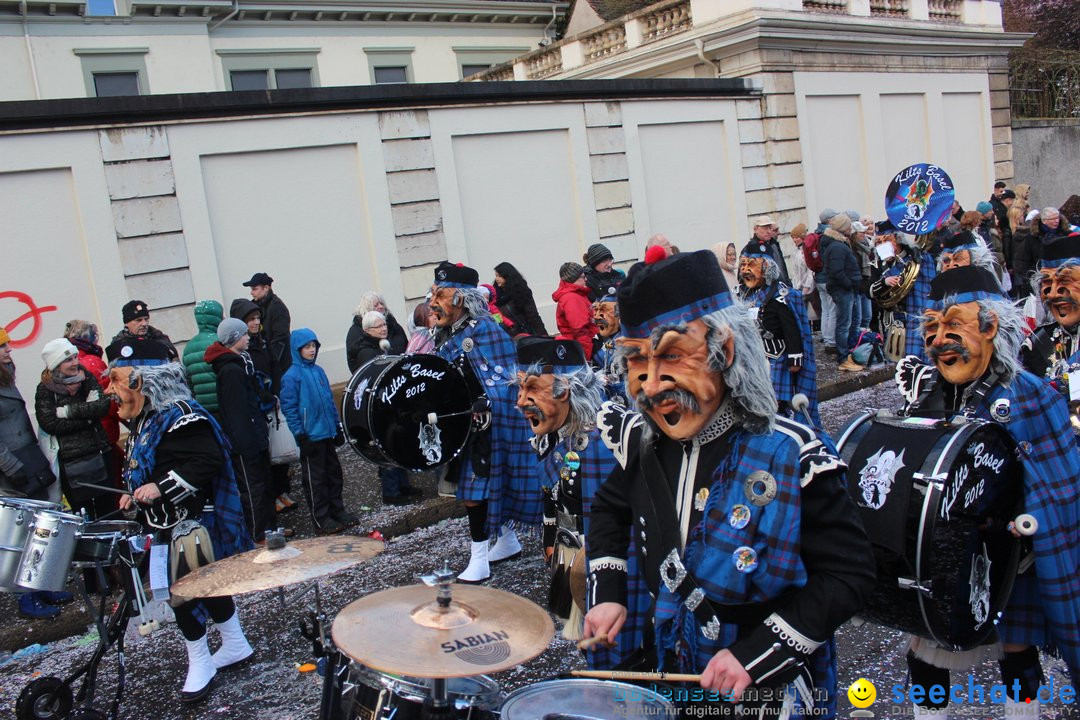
273 688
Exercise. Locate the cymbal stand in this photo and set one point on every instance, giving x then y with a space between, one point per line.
315 627
438 706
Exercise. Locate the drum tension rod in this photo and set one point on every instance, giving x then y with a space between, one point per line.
913 584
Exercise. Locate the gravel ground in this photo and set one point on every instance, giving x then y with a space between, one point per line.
272 688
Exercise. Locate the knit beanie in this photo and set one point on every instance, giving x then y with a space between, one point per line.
570 272
230 330
827 214
983 207
799 230
597 253
4 337
57 351
841 223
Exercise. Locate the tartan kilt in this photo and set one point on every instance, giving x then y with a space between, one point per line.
638 611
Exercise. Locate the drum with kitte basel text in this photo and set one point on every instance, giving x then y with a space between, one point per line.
413 411
936 497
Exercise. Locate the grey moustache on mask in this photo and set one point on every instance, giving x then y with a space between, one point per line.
684 399
936 351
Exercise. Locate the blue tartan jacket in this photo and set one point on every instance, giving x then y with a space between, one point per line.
574 496
511 489
602 361
783 572
773 303
1044 609
912 307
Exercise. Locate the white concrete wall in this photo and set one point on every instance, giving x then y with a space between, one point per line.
334 205
858 129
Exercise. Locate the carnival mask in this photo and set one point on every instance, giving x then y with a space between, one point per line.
447 305
752 272
959 258
956 345
545 412
1059 290
130 399
606 318
672 381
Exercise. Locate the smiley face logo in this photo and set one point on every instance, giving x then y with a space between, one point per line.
862 693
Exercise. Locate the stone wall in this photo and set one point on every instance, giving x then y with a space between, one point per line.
1045 155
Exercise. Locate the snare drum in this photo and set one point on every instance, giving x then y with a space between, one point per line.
935 497
49 550
16 515
377 696
413 411
584 699
101 541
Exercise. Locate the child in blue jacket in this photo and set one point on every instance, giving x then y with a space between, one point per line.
308 406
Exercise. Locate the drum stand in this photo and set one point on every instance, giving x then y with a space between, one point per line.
51 698
315 627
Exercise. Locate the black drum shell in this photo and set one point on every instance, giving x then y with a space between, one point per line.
935 529
100 540
386 405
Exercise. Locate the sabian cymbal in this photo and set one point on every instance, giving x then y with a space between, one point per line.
262 569
403 631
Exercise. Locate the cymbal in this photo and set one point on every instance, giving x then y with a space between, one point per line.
403 631
263 569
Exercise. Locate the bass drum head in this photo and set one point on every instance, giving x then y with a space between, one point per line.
389 406
586 699
945 565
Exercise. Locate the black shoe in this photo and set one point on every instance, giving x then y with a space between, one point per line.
197 695
411 491
330 527
396 500
347 519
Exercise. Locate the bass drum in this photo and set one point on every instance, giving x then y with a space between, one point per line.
935 497
413 411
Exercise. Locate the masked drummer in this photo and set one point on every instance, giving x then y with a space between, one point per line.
973 335
746 535
894 255
784 327
1053 349
560 395
609 330
495 473
183 486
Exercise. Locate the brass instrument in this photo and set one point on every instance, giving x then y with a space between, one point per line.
889 296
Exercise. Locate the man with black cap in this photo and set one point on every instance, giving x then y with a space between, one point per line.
560 395
137 327
275 326
182 484
785 329
746 534
494 474
1053 350
973 334
600 276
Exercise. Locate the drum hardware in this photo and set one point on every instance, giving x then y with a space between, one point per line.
586 699
913 584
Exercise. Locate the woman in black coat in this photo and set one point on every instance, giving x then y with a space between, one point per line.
515 301
69 406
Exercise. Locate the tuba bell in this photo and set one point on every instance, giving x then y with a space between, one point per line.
889 296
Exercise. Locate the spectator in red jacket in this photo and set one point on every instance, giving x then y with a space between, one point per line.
573 311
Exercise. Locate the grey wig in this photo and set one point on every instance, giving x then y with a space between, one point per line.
476 305
586 396
1010 333
163 385
747 379
1036 278
368 301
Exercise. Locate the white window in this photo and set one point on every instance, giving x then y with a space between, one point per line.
110 72
274 69
390 65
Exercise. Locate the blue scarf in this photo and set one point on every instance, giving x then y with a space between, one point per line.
225 522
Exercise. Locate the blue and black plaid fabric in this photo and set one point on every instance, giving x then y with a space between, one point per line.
602 360
786 383
913 306
512 492
597 462
225 522
1044 610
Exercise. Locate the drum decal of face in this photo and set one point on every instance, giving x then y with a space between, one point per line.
430 442
877 478
979 599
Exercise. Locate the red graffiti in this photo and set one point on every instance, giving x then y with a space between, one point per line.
34 312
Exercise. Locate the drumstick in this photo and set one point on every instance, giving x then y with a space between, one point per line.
627 675
105 488
589 642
